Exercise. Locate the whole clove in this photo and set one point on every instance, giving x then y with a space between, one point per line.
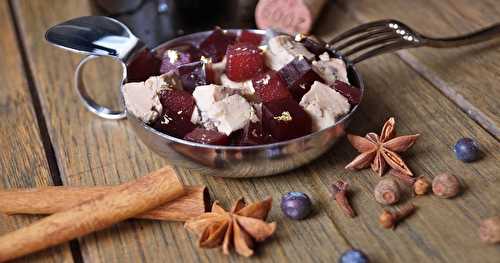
489 230
387 192
390 219
339 191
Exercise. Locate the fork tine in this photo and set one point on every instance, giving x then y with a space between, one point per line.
389 47
364 37
373 42
358 29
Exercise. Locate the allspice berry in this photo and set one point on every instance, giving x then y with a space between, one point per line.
387 192
445 185
489 230
421 186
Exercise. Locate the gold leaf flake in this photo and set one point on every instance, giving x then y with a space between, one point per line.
285 116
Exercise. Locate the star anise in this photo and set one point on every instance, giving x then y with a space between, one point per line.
380 151
239 227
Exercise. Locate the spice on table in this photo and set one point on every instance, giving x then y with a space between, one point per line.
489 230
390 219
296 205
445 185
387 192
339 191
122 203
53 199
421 186
403 177
239 227
380 151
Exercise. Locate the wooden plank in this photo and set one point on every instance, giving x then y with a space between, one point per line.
23 162
92 151
442 230
468 75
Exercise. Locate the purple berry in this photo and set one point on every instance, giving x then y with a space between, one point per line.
296 205
466 150
353 256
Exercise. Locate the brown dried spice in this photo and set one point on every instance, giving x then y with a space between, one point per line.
339 193
390 219
239 227
489 230
387 192
421 186
380 151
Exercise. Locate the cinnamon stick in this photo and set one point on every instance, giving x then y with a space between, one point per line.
53 199
115 206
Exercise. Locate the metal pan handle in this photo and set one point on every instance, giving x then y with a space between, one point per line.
92 105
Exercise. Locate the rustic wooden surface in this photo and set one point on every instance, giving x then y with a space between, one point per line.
453 71
418 87
23 161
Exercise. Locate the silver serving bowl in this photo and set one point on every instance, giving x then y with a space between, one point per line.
224 161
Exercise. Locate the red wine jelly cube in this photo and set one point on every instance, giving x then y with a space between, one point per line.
177 101
352 94
251 38
204 136
143 66
178 107
285 119
215 45
244 61
174 125
253 134
299 76
192 75
180 55
270 86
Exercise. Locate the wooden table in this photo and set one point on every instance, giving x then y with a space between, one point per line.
48 138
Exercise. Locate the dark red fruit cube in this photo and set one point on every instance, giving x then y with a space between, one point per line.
180 55
285 119
251 38
215 45
193 75
299 76
174 125
204 136
143 65
352 94
270 86
253 134
177 102
244 61
317 48
175 119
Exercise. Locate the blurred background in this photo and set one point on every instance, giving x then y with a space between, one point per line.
156 21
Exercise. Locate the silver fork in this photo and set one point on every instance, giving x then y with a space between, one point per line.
383 36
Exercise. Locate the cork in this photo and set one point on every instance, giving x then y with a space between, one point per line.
289 16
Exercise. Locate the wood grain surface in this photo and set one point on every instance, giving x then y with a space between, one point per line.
468 75
22 158
92 151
